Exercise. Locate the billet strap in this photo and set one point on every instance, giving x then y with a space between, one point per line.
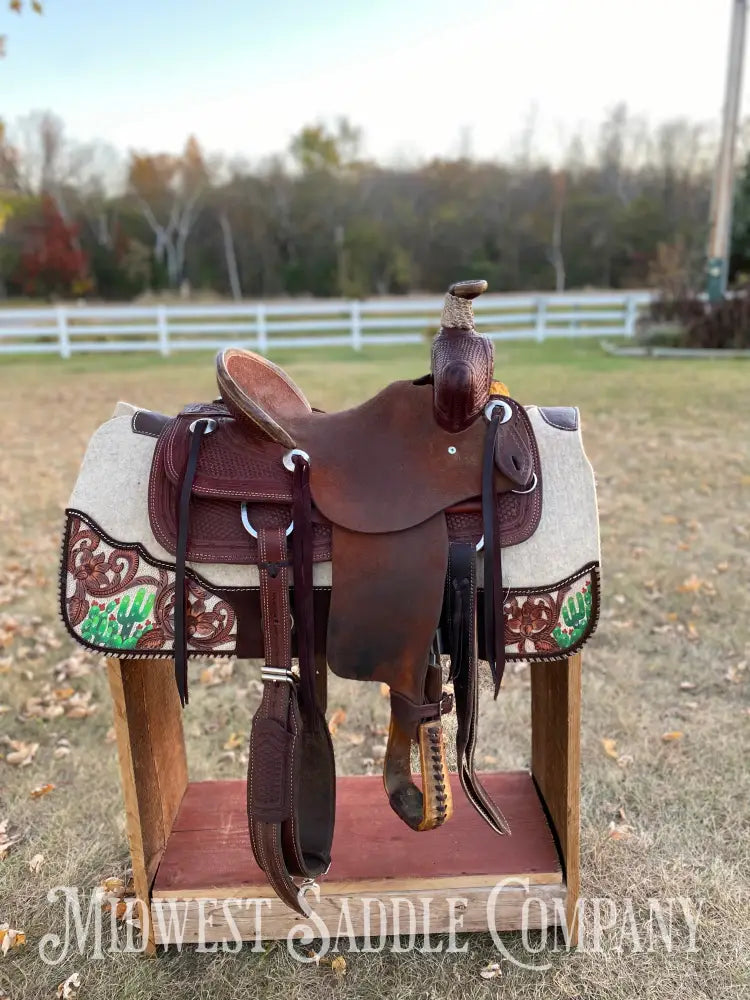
198 429
291 780
462 607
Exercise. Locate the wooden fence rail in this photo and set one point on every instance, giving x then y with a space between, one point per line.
72 329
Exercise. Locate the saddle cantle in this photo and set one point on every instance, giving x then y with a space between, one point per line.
438 519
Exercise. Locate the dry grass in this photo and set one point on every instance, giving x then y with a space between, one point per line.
669 442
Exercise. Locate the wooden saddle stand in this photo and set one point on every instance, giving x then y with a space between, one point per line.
438 522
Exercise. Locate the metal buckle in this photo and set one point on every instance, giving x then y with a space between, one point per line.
209 428
529 489
278 674
288 459
250 529
493 405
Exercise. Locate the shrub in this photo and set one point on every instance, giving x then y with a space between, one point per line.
724 324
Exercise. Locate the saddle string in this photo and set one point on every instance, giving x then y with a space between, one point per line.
302 566
197 432
494 625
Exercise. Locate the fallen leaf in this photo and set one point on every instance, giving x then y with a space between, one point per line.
610 747
687 686
690 586
692 631
338 965
110 736
669 519
672 736
337 719
235 740
79 707
68 989
620 831
10 938
722 567
734 674
40 790
22 754
625 760
113 886
384 691
491 971
8 839
217 673
35 865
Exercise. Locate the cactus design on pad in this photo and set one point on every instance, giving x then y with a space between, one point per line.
120 623
575 614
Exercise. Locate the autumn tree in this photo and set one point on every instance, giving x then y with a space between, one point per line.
168 191
52 262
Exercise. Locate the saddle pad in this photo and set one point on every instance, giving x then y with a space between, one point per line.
117 577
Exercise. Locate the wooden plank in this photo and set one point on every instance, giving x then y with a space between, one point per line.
462 909
153 766
209 851
556 760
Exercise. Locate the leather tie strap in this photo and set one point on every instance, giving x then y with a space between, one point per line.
494 625
462 615
200 428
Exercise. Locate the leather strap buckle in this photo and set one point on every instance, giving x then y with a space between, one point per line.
279 674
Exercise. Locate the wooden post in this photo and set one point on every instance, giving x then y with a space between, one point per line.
162 328
541 318
153 766
63 335
556 762
356 325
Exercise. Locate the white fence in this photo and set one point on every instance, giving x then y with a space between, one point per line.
69 329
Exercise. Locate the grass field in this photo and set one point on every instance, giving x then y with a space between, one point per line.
670 443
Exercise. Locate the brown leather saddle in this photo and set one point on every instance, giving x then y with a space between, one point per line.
399 494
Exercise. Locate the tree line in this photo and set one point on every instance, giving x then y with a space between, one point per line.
320 218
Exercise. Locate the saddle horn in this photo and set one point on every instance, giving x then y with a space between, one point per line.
462 360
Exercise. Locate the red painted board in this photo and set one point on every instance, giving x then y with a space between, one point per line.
210 848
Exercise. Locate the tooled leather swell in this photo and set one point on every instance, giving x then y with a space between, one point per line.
461 373
235 468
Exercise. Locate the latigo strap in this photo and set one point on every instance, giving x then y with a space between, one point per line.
461 599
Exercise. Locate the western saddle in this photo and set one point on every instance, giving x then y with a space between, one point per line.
380 541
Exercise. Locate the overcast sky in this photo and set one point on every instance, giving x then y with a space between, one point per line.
420 77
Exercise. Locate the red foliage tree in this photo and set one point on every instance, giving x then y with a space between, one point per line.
52 262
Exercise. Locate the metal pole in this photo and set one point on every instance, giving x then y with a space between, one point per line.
721 203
